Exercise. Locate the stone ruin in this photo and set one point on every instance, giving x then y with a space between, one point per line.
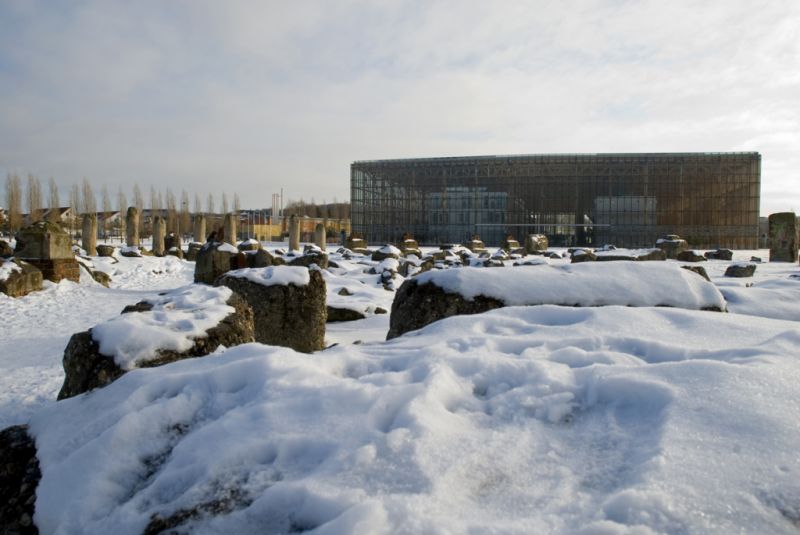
173 245
511 245
672 245
294 233
476 245
783 237
320 236
199 228
89 234
46 246
86 368
159 233
230 229
536 243
287 315
215 259
19 278
357 244
132 227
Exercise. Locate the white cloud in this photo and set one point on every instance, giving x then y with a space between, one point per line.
255 96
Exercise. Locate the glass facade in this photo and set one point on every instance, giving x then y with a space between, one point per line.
629 200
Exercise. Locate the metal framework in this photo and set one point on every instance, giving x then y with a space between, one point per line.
630 200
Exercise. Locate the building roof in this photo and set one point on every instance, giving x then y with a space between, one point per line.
556 156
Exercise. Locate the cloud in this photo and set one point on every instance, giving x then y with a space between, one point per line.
254 96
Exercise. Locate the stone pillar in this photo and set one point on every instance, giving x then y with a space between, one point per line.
132 227
200 228
783 237
159 231
294 233
89 234
319 236
230 228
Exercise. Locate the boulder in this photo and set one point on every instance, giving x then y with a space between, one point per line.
19 477
105 250
18 278
475 245
6 250
174 251
86 368
652 255
173 240
536 243
356 245
416 305
192 250
101 277
387 251
260 258
289 307
690 256
131 252
46 246
249 245
740 270
511 245
213 260
612 257
719 254
672 244
336 314
307 259
783 237
583 255
700 270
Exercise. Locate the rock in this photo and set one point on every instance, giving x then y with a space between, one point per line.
19 477
719 254
410 268
583 255
536 243
381 310
46 246
416 305
86 368
700 270
131 252
387 251
783 237
18 278
672 244
5 250
173 240
511 246
336 314
652 255
315 257
285 314
101 277
191 251
690 256
755 259
260 258
213 260
105 250
344 291
613 257
740 270
249 245
476 245
356 245
174 251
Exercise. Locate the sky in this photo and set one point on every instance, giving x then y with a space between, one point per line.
252 98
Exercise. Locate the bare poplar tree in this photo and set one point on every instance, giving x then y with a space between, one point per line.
210 209
34 199
89 202
55 202
172 212
185 219
106 208
198 204
138 202
224 203
74 205
122 207
237 205
14 202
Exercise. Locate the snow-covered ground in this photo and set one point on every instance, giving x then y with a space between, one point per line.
538 419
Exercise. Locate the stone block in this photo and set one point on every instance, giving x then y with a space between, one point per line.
18 278
783 237
43 240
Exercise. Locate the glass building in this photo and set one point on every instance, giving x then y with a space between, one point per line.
629 200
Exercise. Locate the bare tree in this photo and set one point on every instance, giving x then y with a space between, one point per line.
89 202
172 212
198 204
237 205
210 210
138 202
13 202
34 199
224 203
74 205
185 218
54 205
122 208
106 208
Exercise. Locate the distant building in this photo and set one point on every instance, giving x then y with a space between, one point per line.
630 200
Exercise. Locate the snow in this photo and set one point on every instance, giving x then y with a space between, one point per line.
525 419
7 267
175 321
274 275
389 249
584 284
227 248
